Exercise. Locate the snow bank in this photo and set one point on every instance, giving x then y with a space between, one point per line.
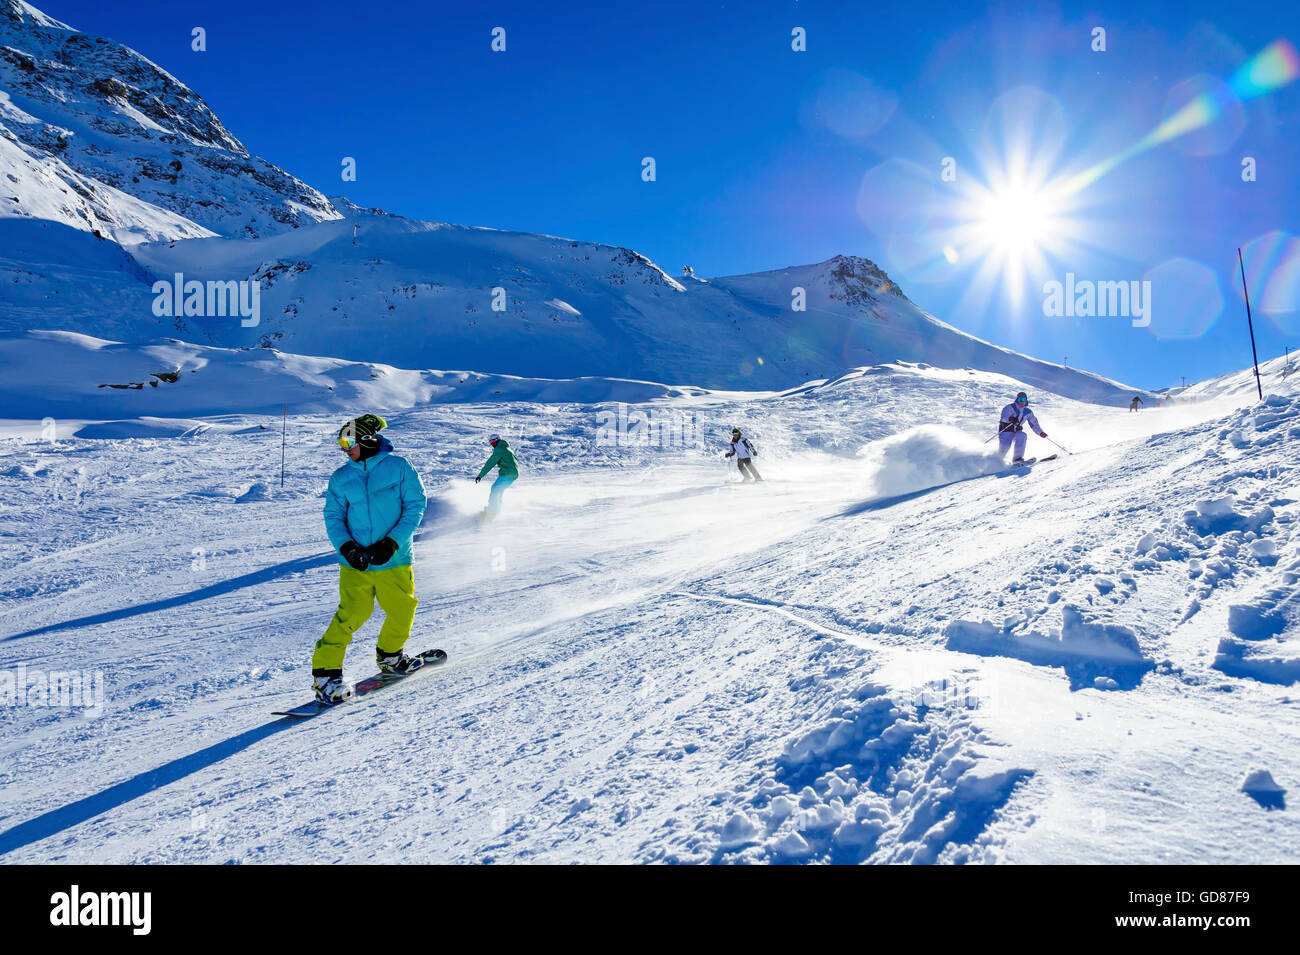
149 427
1265 640
71 375
1260 786
927 456
1093 654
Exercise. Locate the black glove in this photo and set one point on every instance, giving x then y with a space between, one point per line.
729 454
356 556
382 552
476 480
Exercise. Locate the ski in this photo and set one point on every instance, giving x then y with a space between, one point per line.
432 658
1027 462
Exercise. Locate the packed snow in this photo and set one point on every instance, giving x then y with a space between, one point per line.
861 660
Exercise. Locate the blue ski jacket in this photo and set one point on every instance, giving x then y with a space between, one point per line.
366 501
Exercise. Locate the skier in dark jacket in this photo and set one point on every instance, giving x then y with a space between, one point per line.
744 452
1135 403
1011 427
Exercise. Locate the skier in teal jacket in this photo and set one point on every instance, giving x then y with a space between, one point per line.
503 459
373 505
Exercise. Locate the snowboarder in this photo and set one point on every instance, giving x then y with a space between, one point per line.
1135 403
503 459
744 451
373 504
1011 428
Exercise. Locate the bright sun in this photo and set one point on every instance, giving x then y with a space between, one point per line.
1011 227
1015 220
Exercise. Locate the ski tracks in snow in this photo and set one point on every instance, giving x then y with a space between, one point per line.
646 671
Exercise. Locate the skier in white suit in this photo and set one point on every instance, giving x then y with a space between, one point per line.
1011 427
743 450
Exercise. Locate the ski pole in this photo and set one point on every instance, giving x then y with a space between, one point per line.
1066 450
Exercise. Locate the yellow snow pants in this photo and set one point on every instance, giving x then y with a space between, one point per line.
394 588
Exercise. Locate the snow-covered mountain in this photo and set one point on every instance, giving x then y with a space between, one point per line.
99 138
114 175
420 295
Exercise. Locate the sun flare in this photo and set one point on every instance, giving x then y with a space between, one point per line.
1016 220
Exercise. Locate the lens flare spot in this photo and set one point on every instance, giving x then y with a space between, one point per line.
1273 271
919 257
1203 116
897 197
850 105
1272 67
1185 299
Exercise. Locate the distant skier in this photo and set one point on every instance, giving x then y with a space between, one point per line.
1135 403
503 459
1011 427
745 452
373 504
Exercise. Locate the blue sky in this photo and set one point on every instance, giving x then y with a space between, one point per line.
768 157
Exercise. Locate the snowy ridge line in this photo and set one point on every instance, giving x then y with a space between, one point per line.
860 642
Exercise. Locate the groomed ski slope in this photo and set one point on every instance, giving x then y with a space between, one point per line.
846 664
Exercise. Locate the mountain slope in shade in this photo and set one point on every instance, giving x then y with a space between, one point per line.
96 136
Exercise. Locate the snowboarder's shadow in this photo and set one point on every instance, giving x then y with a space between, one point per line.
83 810
220 588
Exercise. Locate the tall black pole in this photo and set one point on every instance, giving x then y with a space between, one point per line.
1250 324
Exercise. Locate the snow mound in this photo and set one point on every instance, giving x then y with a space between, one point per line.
1099 655
1260 786
1219 515
145 427
1265 641
925 457
875 781
1264 425
1254 621
256 492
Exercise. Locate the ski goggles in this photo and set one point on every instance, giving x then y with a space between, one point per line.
346 443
